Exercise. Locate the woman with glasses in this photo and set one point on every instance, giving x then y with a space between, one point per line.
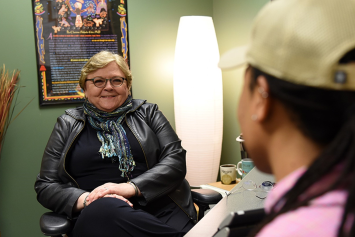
115 165
297 114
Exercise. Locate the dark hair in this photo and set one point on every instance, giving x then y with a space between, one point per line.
328 118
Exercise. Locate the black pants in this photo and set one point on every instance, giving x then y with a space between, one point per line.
111 217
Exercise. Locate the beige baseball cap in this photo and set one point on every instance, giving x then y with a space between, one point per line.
301 41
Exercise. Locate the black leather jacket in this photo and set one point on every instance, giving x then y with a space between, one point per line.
165 159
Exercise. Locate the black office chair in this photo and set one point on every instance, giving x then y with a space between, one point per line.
56 225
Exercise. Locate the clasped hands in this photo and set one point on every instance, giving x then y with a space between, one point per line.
121 191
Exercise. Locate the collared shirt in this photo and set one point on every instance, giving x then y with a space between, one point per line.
321 218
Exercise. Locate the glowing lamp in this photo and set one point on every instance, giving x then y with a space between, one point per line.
198 98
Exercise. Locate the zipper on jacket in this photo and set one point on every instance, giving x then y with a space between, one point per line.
145 157
191 218
65 156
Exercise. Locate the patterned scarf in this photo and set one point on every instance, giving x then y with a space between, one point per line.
113 138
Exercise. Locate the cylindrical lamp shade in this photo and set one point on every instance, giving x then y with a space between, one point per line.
198 98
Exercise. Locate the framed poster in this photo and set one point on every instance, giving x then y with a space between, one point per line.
67 34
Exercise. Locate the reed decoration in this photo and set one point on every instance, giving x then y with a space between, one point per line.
8 88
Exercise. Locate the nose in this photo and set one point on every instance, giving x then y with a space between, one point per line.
108 85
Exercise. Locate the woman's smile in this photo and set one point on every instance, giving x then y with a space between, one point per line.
107 98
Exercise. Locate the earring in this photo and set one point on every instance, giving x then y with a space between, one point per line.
254 117
263 93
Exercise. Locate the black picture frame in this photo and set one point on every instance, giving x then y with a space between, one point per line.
67 34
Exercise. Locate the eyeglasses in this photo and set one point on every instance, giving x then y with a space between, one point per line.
261 191
101 82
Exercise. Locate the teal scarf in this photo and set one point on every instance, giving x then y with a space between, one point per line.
113 138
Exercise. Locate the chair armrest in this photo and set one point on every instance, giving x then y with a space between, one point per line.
243 218
205 196
230 232
55 224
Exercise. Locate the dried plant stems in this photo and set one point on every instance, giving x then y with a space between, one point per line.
8 88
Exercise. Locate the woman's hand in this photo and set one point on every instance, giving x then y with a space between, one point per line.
121 191
80 202
119 197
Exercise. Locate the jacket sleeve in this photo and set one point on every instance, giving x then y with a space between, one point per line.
170 170
52 191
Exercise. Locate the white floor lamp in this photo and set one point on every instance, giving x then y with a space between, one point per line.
198 98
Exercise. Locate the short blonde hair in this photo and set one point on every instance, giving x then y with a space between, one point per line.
100 60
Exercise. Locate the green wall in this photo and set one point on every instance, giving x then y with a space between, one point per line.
233 20
152 31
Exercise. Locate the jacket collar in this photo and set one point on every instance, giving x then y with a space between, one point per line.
136 104
78 113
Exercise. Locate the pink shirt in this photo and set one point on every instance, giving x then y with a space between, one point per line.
321 218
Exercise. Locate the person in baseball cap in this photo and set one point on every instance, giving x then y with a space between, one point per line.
297 114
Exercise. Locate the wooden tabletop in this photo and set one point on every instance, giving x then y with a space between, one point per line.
227 187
